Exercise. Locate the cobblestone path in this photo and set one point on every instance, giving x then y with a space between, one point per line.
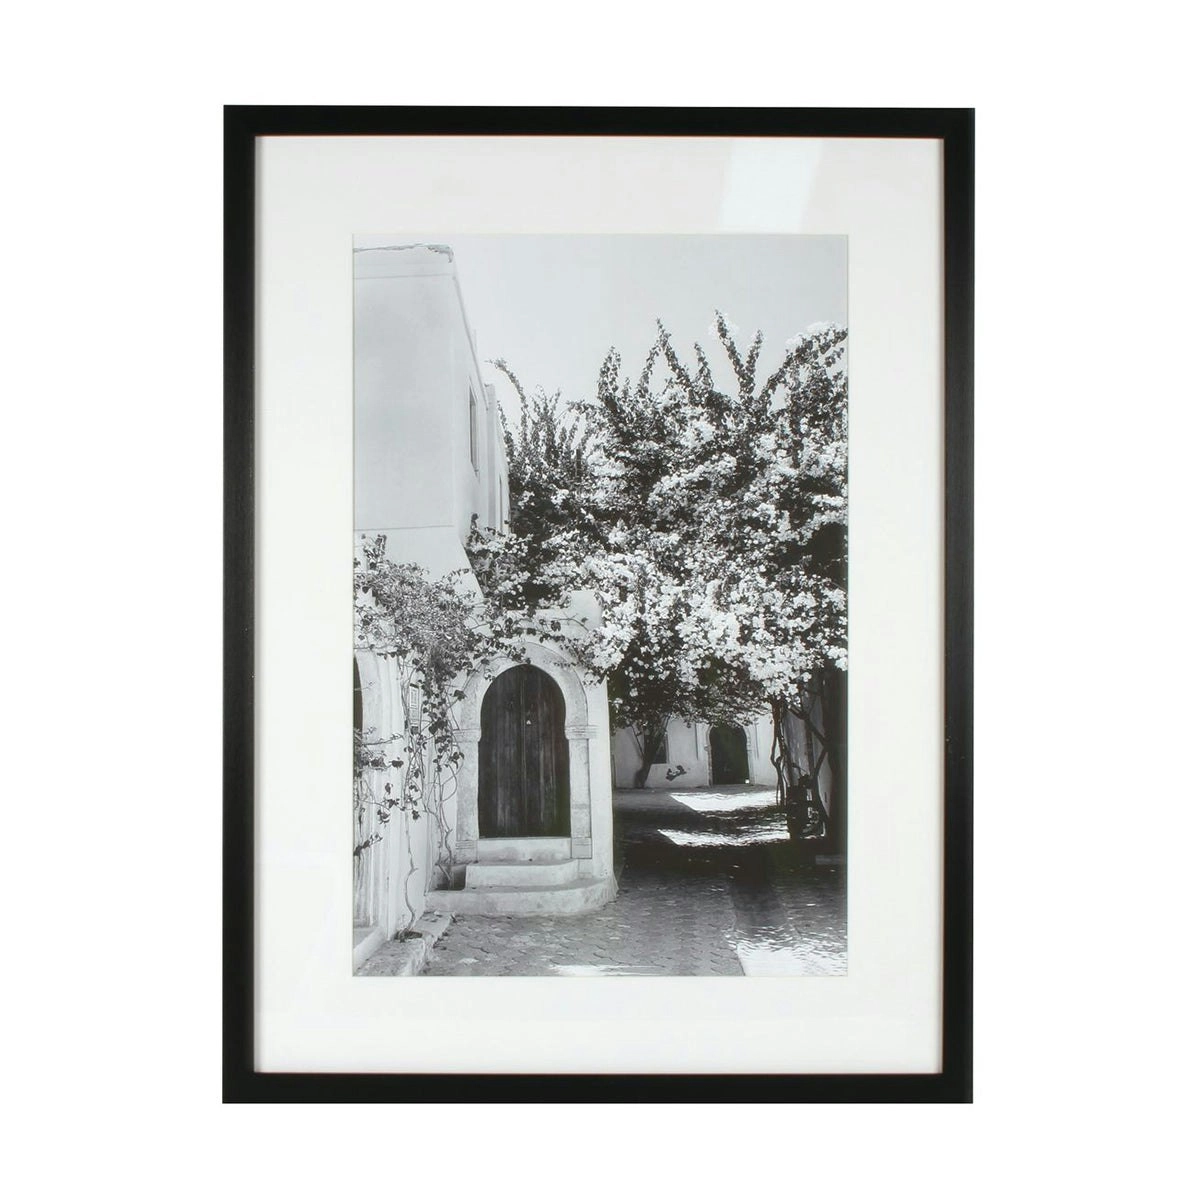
709 885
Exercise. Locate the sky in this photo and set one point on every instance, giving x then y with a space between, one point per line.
551 306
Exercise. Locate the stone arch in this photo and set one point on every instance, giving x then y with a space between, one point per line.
552 662
579 732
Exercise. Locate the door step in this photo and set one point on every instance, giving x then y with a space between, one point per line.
522 874
527 850
560 899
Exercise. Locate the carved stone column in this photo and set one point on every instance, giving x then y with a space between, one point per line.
578 737
466 830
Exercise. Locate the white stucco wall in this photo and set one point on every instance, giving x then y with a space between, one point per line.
415 369
688 747
416 481
392 877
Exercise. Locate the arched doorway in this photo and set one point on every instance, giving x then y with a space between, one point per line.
730 763
524 780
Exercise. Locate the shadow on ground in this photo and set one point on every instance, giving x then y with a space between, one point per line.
790 912
709 885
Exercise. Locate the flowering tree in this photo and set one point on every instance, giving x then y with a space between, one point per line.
582 491
767 480
664 645
550 525
711 521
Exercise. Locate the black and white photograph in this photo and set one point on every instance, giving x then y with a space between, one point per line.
600 605
569 515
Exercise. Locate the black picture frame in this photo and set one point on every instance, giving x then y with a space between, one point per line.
954 128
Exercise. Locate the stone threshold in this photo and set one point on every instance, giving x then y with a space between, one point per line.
562 899
406 954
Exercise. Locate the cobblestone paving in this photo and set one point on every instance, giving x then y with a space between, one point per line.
709 885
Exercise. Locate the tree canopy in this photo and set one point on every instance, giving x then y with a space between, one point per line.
709 518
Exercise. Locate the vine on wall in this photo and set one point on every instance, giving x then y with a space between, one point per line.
437 633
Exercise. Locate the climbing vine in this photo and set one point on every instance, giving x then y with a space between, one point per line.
437 632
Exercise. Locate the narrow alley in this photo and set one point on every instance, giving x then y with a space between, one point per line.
709 885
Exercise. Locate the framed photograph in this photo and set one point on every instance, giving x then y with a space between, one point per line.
598 604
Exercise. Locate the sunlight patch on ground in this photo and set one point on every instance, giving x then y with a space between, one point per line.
712 801
745 837
761 959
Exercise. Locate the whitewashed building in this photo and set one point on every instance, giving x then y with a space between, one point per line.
698 754
527 826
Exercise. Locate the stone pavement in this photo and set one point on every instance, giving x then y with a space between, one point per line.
709 885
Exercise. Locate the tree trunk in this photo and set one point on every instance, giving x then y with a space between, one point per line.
798 763
832 684
792 789
652 739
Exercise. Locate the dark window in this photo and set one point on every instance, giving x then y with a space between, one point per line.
474 430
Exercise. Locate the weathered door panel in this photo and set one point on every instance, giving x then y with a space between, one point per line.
524 788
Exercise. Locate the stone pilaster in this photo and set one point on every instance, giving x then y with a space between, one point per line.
578 739
466 829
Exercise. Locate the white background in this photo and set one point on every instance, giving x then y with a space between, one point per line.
1085 800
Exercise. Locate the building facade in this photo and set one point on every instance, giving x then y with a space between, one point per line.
527 825
697 754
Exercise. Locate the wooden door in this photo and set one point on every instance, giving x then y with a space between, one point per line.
730 763
524 784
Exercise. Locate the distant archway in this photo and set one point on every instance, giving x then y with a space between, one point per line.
728 756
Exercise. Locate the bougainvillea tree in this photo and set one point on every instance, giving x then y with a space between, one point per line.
746 483
582 486
710 518
769 486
